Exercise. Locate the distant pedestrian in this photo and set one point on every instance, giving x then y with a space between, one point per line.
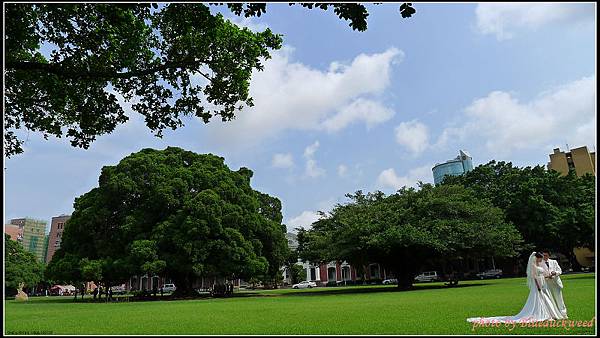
161 292
95 292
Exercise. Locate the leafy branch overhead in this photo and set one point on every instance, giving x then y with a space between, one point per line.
170 61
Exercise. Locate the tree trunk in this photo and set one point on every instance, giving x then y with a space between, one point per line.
183 285
573 260
405 280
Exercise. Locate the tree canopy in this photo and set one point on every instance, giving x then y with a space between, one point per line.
175 213
21 266
404 230
170 61
551 211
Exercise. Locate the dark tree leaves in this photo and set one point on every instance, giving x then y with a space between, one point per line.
406 10
172 61
550 210
175 213
175 61
20 266
404 230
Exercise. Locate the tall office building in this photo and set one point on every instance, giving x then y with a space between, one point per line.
457 166
578 159
57 226
35 239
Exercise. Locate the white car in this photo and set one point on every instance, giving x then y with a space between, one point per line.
428 276
169 288
390 281
304 285
494 273
118 289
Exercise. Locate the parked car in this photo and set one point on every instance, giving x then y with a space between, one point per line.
118 290
62 290
169 288
202 291
304 285
493 273
428 276
390 281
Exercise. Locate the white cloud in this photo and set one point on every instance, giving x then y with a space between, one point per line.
283 160
312 169
289 95
564 114
413 135
311 149
368 111
389 179
342 170
304 220
504 19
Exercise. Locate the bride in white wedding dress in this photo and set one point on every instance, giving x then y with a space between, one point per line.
539 306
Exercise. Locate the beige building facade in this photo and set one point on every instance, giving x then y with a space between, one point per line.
579 159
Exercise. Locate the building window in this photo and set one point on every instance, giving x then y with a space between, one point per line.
346 273
331 274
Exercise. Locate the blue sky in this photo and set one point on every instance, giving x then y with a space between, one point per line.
338 110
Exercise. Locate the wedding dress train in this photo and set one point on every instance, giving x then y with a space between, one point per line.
540 305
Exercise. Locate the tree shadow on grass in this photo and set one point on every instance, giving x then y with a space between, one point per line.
322 291
70 300
353 290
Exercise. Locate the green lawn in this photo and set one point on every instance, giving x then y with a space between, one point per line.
429 309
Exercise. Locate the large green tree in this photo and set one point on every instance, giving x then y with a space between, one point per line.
21 266
405 230
550 210
172 61
176 213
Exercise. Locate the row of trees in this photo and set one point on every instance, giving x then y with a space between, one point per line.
405 230
495 210
185 215
175 213
550 210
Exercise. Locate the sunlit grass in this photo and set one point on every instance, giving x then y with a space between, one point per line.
429 309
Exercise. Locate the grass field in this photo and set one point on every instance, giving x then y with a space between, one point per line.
429 309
